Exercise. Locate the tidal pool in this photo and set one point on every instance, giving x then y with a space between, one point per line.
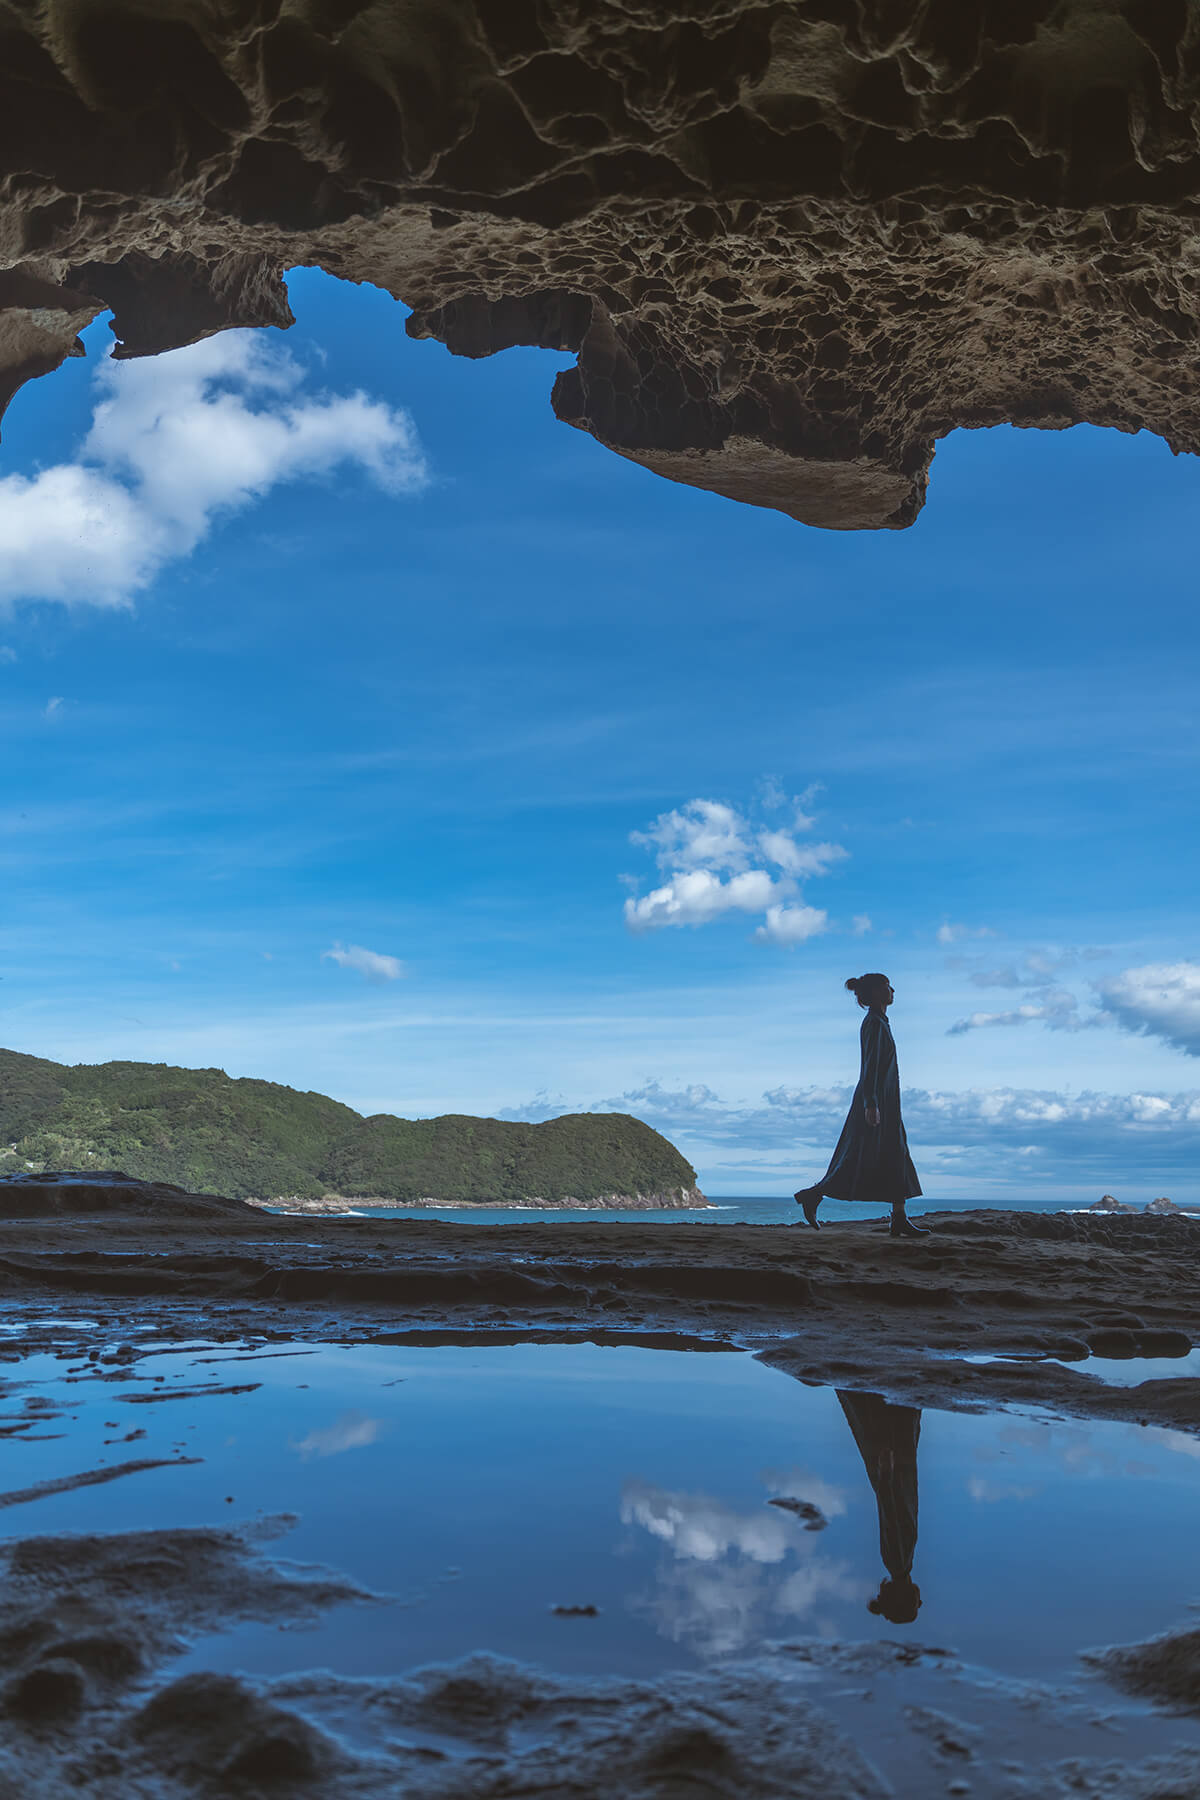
481 1487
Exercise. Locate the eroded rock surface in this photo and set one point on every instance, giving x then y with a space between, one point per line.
791 245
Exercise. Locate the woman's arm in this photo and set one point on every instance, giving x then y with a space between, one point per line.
872 1037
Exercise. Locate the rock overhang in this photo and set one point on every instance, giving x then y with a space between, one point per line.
791 245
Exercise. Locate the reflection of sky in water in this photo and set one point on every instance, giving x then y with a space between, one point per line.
482 1485
733 1578
352 1430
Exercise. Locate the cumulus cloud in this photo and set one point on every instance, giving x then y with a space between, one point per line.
177 442
715 860
697 896
860 924
792 924
372 965
1160 1000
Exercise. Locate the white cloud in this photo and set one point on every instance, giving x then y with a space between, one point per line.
792 924
1118 1141
780 848
1160 1000
176 442
861 924
372 965
950 933
699 896
703 834
53 707
1057 1008
716 861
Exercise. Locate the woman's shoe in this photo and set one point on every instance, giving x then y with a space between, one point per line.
808 1200
904 1227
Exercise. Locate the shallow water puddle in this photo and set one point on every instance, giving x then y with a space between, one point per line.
485 1486
703 1505
1123 1371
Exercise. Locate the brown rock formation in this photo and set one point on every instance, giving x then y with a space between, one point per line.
792 244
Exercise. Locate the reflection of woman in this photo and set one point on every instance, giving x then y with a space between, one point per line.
871 1161
887 1438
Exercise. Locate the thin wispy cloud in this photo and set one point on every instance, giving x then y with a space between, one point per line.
177 442
53 707
1057 1008
372 965
948 932
716 860
1158 1000
350 1431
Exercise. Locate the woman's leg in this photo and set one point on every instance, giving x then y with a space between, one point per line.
902 1225
808 1199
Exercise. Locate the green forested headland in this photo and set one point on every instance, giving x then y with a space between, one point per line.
203 1130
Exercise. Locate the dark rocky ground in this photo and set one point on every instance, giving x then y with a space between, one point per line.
849 1305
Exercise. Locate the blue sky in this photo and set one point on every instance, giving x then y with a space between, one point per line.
365 729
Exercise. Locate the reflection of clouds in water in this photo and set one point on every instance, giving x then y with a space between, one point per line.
725 1577
1072 1448
1178 1441
980 1488
349 1431
697 1526
798 1484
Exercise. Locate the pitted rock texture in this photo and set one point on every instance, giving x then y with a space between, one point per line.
792 244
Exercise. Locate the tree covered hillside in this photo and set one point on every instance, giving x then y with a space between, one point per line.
250 1139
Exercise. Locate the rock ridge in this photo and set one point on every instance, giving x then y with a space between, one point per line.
791 247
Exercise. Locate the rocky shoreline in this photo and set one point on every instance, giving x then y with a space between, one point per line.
670 1200
931 1320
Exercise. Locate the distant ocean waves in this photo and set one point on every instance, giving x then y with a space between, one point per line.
725 1209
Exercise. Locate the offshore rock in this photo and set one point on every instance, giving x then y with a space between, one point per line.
790 246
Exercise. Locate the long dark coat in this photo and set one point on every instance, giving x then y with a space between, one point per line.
871 1162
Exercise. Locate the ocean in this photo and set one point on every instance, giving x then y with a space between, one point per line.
726 1209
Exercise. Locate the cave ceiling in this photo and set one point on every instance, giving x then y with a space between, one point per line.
790 245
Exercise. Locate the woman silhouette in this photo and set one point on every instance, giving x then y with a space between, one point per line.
887 1437
871 1162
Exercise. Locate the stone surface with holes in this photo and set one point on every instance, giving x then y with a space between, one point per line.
791 245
